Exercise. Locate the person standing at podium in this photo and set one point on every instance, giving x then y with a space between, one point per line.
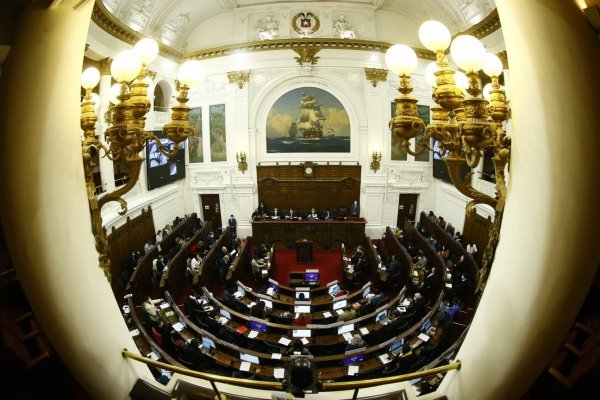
355 209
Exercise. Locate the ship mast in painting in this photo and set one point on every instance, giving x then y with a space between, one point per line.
310 121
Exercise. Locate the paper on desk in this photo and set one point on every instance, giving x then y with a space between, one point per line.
245 366
284 341
278 373
251 304
406 302
134 332
178 326
327 314
353 370
270 291
364 330
424 337
385 358
339 312
164 305
253 334
152 355
223 320
169 313
276 356
304 341
347 336
449 285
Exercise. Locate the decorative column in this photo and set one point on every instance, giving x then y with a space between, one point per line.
107 171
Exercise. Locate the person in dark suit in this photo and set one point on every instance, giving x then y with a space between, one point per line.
327 216
262 208
313 216
232 222
393 268
355 209
223 266
357 256
258 310
291 214
275 214
430 281
418 305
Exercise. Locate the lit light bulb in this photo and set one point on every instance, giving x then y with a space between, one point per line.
191 73
90 78
126 66
461 80
113 94
146 50
434 35
401 59
430 71
486 91
492 66
468 53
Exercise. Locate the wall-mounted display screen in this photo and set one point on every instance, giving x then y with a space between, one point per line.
162 170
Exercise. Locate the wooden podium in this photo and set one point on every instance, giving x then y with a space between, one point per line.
304 251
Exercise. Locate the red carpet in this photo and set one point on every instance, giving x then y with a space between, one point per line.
328 263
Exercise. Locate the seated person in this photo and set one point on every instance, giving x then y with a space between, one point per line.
262 208
312 216
327 216
258 264
348 314
393 267
223 265
275 214
356 342
291 215
258 310
376 299
302 319
262 251
298 349
256 215
357 256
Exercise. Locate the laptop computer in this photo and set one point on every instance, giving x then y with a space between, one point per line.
396 347
382 317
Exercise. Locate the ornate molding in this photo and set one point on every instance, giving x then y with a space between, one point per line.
488 25
376 75
306 55
239 78
107 22
105 66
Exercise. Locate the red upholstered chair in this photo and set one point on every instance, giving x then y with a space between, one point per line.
157 336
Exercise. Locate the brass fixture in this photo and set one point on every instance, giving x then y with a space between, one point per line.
376 75
242 163
238 77
376 161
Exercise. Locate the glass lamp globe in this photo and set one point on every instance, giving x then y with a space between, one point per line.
492 66
146 50
126 66
90 78
430 71
191 73
468 53
434 35
401 59
461 80
486 91
113 94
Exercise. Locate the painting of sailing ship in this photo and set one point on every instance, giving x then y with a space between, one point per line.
308 120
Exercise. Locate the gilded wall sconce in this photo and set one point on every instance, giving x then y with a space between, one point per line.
376 161
242 163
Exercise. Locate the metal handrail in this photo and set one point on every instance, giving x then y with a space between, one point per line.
327 386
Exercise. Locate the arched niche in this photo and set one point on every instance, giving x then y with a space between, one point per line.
162 96
351 100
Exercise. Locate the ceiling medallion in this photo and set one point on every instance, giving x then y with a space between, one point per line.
306 23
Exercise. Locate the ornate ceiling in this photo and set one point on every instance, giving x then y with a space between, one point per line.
189 25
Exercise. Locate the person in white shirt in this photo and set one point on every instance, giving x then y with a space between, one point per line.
196 264
275 214
472 249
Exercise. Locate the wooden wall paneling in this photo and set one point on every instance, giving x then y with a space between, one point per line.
476 230
128 237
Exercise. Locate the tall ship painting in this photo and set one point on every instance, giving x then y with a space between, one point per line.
307 120
309 124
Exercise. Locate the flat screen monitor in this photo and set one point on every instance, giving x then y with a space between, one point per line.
160 169
396 345
302 295
311 276
381 316
225 313
208 343
301 333
250 358
339 304
258 326
426 325
345 328
241 289
354 359
301 309
334 289
366 291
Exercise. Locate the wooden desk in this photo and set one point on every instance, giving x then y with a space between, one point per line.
304 251
323 233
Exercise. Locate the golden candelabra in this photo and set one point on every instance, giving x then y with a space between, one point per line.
465 124
126 136
242 163
376 161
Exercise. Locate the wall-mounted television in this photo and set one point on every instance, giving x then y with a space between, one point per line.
162 170
440 169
